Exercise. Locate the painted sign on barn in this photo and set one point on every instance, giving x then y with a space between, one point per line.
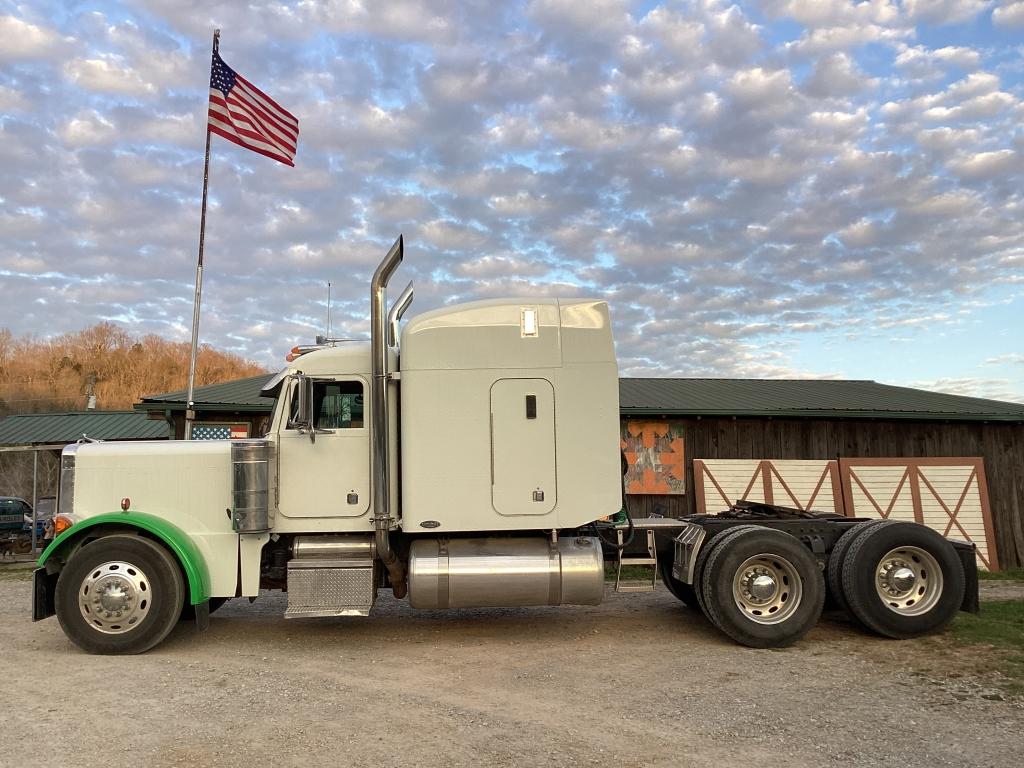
654 451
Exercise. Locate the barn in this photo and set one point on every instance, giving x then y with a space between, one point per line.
855 447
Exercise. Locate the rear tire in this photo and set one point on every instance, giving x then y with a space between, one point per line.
763 588
702 557
680 589
121 594
903 580
834 571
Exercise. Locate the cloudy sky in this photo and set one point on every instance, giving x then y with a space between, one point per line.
773 189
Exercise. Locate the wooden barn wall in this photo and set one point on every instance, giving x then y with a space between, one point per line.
1001 445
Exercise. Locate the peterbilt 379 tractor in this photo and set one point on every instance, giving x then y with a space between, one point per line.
471 460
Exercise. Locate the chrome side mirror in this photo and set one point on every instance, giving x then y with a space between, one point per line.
301 417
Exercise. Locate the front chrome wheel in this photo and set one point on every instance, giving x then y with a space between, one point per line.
114 597
121 593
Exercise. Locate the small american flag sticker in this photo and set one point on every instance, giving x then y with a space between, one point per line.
214 431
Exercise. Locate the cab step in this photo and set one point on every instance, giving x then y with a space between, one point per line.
331 576
651 561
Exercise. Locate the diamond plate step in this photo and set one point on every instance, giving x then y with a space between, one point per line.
322 589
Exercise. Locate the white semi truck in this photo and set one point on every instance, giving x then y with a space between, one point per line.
471 461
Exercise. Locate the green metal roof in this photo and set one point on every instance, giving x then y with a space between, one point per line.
812 398
238 395
819 398
40 428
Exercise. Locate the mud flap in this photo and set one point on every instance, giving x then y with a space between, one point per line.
965 551
43 587
202 611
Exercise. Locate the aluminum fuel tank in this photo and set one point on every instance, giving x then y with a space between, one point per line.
504 572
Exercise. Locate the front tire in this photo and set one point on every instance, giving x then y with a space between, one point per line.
121 594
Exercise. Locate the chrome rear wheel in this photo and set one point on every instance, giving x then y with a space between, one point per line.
767 588
908 580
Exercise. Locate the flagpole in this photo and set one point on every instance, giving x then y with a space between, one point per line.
190 413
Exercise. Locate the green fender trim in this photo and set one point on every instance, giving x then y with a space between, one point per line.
192 563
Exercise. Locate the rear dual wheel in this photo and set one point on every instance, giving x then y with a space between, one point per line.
901 579
834 571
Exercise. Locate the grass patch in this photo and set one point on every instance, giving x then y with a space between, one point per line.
629 572
999 625
15 574
1010 574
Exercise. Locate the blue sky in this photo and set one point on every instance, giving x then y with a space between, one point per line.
773 189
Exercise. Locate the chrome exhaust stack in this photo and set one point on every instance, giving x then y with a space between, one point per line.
380 456
395 314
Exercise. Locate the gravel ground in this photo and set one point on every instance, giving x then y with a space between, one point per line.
639 680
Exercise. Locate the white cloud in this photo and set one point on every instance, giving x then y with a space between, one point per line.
12 100
992 389
23 40
680 35
1010 14
88 128
836 76
761 89
107 75
598 19
918 61
944 11
986 164
827 39
1014 358
832 13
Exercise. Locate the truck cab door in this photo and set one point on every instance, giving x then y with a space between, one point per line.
328 476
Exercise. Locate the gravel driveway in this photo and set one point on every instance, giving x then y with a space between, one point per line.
639 680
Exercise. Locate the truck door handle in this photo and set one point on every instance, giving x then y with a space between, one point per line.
531 406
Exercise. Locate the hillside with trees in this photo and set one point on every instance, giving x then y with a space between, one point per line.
59 374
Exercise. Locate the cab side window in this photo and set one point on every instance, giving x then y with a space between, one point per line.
338 404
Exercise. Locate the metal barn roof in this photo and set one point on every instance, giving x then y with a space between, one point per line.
238 395
820 398
809 398
41 428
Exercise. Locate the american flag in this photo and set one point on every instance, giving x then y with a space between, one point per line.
219 431
242 113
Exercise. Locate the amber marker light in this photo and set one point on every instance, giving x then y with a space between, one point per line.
61 523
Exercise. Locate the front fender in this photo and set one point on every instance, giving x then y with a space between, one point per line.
197 573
